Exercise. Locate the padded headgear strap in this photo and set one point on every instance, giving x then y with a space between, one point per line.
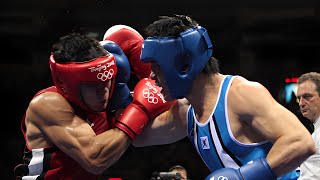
180 58
69 76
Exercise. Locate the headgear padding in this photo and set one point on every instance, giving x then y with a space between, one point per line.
180 58
69 76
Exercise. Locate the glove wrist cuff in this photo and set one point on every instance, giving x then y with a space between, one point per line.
257 169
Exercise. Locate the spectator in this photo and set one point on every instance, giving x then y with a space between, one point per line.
308 95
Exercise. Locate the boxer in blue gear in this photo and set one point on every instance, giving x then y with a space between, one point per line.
237 127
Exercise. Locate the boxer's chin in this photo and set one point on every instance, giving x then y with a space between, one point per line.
166 95
168 98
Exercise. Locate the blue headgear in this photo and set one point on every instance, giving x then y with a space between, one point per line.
191 48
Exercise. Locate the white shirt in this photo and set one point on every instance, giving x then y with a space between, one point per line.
310 168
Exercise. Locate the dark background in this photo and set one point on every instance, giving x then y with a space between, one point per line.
265 41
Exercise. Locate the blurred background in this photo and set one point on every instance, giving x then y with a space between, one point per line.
272 42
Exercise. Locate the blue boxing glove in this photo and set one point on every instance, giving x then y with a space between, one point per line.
258 169
121 96
225 173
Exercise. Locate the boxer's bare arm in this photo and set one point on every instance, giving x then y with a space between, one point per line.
168 127
292 143
51 119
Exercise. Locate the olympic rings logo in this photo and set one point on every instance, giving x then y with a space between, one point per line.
105 75
220 178
155 90
150 96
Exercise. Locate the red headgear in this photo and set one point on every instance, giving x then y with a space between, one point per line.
69 76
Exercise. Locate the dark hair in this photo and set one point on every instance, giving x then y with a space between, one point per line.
172 26
77 47
311 76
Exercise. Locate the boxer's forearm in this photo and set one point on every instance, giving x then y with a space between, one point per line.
288 153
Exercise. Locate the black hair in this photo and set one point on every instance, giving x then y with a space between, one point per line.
172 26
76 47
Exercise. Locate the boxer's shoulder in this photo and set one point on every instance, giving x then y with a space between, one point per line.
241 86
48 103
48 97
244 94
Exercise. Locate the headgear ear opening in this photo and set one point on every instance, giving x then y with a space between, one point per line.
185 68
184 63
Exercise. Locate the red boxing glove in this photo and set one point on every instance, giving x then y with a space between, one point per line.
130 42
147 104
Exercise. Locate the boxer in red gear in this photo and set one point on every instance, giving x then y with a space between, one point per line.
68 131
130 42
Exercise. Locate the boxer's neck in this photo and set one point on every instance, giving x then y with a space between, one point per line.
204 93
